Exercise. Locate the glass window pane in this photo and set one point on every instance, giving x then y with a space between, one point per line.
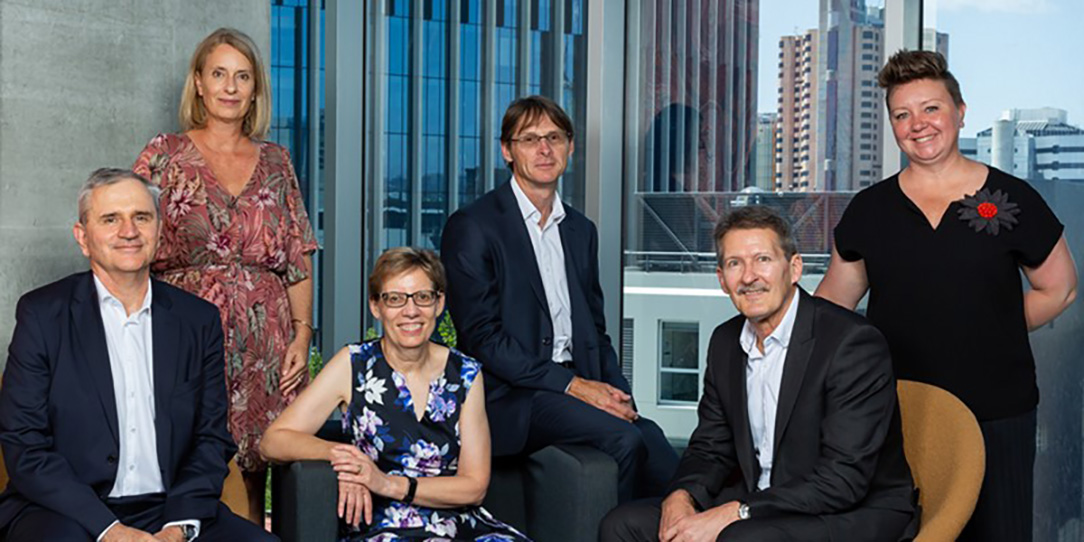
679 348
678 387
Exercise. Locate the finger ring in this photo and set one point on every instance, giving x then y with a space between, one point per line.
359 470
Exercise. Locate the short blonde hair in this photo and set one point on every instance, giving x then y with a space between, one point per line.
396 261
192 113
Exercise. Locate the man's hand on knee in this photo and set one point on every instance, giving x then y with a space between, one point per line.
702 527
676 507
123 533
603 397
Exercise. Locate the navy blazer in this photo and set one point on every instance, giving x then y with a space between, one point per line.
58 415
838 440
497 301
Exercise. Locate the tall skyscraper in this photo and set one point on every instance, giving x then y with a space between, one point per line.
830 107
796 140
849 146
699 71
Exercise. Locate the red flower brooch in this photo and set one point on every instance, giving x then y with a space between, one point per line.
989 211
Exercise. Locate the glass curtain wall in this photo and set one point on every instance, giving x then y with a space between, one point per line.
441 75
1025 116
292 43
731 107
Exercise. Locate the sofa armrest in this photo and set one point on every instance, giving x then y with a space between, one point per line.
570 489
304 500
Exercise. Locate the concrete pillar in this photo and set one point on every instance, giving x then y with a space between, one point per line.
1001 145
85 85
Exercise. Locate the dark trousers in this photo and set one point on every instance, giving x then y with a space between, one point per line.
639 522
1004 510
645 459
34 523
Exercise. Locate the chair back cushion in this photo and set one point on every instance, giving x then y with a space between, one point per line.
945 450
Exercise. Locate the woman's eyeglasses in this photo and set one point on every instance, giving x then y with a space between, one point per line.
422 298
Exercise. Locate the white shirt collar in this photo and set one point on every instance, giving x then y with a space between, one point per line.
530 212
781 334
105 296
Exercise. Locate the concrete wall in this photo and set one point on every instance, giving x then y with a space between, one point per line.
85 84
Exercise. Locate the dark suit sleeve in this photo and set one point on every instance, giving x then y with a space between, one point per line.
711 457
39 474
203 466
474 292
611 370
860 398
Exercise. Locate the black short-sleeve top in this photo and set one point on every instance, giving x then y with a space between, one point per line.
950 300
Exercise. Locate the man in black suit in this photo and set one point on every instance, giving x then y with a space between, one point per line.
799 433
523 290
113 408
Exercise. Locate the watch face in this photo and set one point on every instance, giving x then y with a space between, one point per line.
189 532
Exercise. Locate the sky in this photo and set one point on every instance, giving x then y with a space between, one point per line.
1005 53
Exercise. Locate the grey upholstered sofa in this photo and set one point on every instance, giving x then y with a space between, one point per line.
558 494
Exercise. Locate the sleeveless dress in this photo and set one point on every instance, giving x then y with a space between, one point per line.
241 253
383 424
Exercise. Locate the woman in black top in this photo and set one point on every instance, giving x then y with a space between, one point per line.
940 246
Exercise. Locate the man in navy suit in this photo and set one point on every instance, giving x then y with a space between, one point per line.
524 292
113 408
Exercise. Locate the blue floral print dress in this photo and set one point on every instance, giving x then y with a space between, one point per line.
382 421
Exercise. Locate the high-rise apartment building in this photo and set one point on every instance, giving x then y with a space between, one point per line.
830 107
796 113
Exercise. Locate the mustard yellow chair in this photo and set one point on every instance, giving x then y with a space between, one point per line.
234 494
945 449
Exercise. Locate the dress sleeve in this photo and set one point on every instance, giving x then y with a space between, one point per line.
152 160
301 239
1037 229
851 230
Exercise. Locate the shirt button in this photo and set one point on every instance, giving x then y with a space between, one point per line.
131 468
132 430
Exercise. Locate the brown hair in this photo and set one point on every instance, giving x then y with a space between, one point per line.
906 66
750 218
527 111
399 260
258 118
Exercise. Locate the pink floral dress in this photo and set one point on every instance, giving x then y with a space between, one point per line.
240 253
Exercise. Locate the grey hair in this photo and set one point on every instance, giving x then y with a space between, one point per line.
107 176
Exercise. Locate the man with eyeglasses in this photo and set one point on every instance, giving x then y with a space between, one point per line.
524 293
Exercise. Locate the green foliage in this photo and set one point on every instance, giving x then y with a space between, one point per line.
446 329
316 362
371 334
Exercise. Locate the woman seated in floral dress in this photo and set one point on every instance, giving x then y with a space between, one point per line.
419 465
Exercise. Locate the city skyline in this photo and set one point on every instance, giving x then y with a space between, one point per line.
985 38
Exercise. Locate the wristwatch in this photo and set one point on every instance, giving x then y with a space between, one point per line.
743 511
189 532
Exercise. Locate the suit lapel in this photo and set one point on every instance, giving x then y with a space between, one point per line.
794 367
520 248
90 333
165 329
743 436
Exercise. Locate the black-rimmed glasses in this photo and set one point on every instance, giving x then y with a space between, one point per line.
422 298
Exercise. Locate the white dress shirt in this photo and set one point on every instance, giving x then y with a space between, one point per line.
550 255
130 343
763 377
